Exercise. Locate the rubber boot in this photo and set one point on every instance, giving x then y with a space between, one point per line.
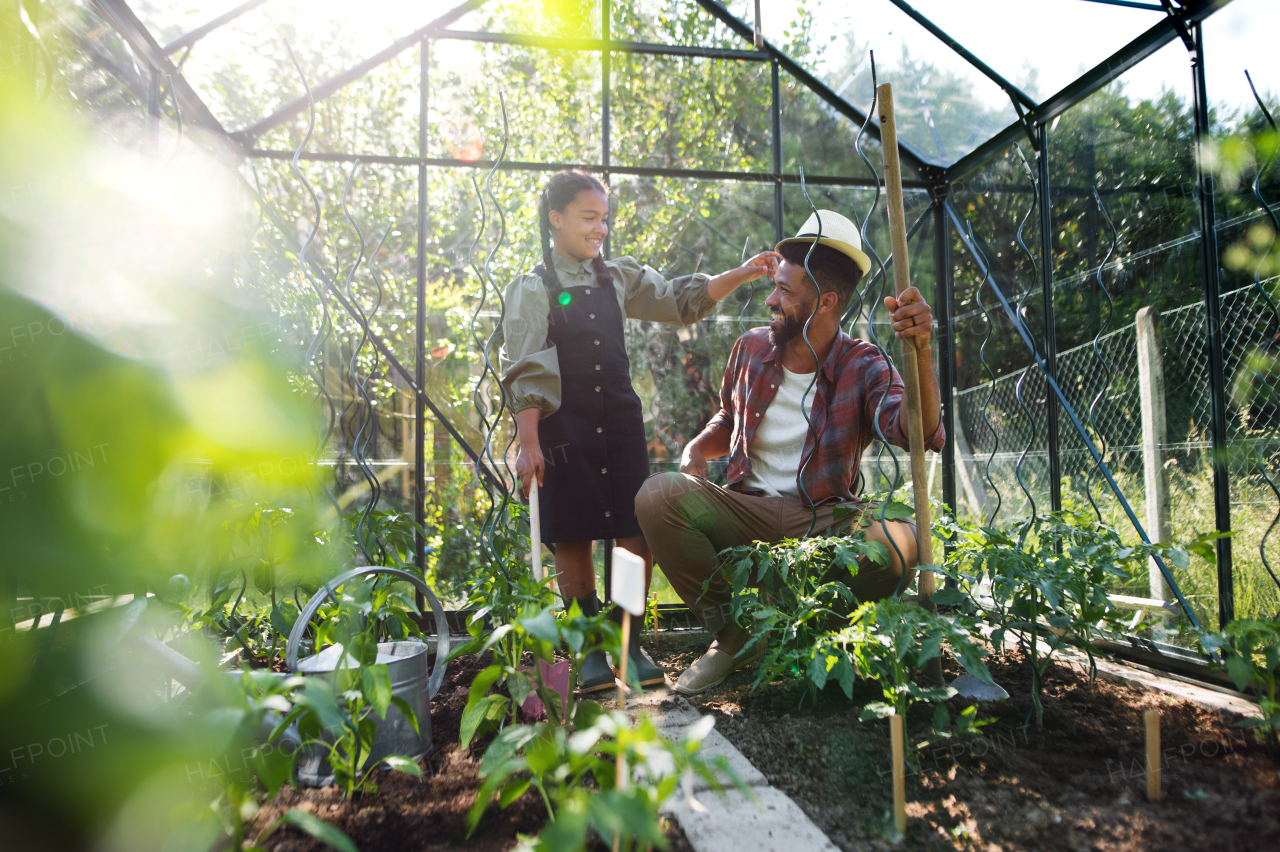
639 667
595 675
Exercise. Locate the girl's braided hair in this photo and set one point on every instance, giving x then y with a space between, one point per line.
561 191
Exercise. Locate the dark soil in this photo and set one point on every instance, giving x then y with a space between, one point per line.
427 813
1077 785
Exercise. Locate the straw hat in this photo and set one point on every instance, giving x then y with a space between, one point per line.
837 232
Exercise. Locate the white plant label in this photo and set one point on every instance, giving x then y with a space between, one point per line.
627 583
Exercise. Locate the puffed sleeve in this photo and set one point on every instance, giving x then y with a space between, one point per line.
530 364
646 295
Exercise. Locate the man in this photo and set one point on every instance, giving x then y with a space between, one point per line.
687 520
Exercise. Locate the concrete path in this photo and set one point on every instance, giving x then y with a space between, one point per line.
763 820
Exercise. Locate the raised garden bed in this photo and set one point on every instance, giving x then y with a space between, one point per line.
1076 785
428 813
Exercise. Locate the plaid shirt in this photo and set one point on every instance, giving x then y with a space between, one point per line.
850 384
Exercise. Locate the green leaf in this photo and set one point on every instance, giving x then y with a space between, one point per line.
877 553
375 683
264 577
403 706
1241 671
896 510
488 709
400 763
941 718
311 824
951 596
817 670
515 789
283 615
542 626
485 679
543 753
845 674
876 710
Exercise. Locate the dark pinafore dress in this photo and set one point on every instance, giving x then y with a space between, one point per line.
594 445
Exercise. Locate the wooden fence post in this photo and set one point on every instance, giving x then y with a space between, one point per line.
1151 389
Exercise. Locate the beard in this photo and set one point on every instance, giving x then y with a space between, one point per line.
787 328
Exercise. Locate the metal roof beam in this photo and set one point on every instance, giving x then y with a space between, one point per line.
633 171
141 42
1130 4
200 32
1012 90
355 72
1088 83
595 44
909 154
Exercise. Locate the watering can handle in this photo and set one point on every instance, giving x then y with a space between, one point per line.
443 638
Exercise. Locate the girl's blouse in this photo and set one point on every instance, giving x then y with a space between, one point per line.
530 364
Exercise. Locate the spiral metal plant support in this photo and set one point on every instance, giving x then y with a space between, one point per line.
817 365
1097 354
1257 282
368 410
321 336
1033 425
751 291
877 282
991 378
488 372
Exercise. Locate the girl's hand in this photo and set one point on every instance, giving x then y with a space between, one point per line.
530 463
763 264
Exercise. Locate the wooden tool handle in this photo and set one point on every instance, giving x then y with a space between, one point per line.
910 371
898 747
535 529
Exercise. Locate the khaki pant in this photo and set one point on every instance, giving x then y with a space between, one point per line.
688 520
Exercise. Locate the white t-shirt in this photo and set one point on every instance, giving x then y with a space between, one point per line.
779 440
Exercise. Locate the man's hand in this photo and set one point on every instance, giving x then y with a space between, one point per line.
911 316
692 461
530 463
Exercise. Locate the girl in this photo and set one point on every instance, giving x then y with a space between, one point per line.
578 420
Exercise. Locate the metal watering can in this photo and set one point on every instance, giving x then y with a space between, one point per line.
407 663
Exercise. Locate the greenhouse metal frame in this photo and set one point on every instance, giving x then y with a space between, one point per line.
1175 22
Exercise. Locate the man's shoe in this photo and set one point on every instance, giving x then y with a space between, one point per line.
711 669
596 674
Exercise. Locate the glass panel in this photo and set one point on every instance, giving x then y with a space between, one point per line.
944 107
561 18
822 141
673 112
1137 155
671 22
552 100
169 19
1041 47
1245 148
243 72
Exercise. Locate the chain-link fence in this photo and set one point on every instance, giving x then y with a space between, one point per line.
1002 447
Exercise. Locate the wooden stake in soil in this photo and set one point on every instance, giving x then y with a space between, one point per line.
899 774
1152 719
535 529
909 368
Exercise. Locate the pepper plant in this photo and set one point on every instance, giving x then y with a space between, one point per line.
574 774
